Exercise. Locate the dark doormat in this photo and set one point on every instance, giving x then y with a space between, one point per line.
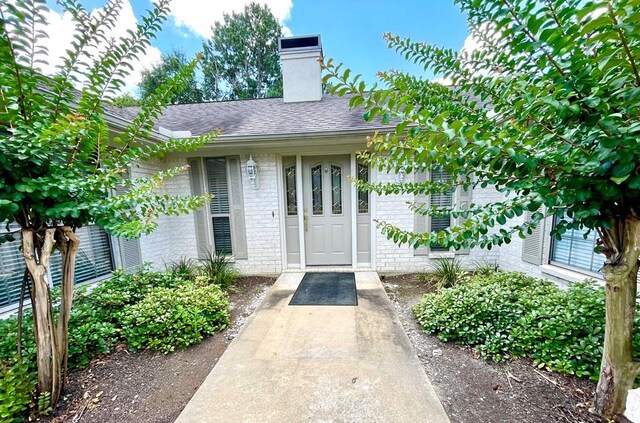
330 288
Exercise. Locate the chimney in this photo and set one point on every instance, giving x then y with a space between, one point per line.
301 73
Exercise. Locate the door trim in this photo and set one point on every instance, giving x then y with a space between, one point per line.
300 200
354 211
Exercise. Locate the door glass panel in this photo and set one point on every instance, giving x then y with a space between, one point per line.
316 189
336 189
363 196
290 181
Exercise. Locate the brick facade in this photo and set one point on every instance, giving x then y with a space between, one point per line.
391 258
175 236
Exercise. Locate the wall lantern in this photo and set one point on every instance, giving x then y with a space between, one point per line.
252 172
400 176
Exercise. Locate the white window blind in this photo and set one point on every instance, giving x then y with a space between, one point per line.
93 261
573 250
218 185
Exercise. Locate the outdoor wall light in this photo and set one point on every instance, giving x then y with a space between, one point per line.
252 172
400 176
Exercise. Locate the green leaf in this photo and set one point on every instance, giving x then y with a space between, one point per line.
622 170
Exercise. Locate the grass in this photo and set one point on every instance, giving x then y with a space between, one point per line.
444 273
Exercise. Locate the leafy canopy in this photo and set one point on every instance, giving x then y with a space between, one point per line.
125 100
241 59
60 161
170 65
546 111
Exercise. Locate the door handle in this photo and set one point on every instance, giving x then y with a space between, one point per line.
305 218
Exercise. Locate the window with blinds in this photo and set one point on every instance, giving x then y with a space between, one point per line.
444 199
218 186
94 260
573 250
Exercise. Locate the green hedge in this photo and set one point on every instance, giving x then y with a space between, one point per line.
510 314
170 318
149 309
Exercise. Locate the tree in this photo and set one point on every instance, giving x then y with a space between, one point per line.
125 100
59 165
546 111
241 59
170 64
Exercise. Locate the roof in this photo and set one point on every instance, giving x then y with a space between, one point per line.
264 117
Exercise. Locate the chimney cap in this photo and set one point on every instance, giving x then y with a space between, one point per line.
300 42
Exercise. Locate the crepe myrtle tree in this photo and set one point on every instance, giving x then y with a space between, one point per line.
60 163
547 111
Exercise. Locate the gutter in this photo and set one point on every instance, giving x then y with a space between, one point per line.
299 135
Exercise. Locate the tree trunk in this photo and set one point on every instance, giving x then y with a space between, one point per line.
618 370
51 339
68 244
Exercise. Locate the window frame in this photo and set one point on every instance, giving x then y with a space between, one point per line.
227 215
437 249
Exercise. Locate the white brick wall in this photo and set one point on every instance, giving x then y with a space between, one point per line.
175 235
262 218
391 258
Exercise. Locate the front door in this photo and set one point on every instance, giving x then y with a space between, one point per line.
327 210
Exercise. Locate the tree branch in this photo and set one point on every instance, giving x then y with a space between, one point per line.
16 71
625 43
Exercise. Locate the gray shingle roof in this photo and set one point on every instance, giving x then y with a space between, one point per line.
269 116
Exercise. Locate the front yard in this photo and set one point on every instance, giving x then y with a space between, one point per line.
505 333
475 390
150 386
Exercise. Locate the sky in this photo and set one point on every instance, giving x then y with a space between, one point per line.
351 30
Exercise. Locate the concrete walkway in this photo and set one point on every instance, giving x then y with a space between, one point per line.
318 364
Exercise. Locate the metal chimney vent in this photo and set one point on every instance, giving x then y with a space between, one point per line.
301 42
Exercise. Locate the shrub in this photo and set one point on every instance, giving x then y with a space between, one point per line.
91 331
123 289
16 386
510 314
218 269
99 320
170 318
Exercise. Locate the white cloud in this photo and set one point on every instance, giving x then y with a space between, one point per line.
471 44
60 27
198 16
443 81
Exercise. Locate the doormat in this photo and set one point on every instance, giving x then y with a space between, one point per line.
330 288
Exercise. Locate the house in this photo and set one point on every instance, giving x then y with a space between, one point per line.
283 200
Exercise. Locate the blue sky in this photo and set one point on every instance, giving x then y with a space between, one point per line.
351 30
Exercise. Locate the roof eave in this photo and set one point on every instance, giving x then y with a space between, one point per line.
293 136
117 122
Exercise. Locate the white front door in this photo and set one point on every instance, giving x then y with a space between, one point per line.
327 210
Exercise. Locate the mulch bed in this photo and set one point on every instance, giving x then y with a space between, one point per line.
150 386
474 390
